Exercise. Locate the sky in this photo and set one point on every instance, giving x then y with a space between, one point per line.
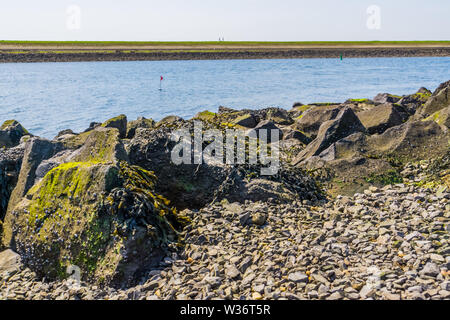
234 20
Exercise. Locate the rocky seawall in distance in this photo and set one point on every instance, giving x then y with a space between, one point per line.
358 209
24 55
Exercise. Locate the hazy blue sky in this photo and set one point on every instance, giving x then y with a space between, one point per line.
282 20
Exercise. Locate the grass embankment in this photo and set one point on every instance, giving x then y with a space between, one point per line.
222 43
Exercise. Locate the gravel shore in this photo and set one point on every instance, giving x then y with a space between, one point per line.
391 243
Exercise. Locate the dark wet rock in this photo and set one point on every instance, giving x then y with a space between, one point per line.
195 185
331 131
119 122
386 98
141 122
10 163
11 132
186 185
380 118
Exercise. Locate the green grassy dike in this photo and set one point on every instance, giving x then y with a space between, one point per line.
224 43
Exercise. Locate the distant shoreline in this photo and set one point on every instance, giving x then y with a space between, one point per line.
161 55
45 51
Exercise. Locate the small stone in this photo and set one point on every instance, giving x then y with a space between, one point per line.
232 272
430 269
298 277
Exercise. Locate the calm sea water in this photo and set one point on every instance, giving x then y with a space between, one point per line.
49 97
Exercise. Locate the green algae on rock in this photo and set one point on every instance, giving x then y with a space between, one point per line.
119 122
103 218
94 211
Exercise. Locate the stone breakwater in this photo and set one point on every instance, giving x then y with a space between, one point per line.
360 207
8 56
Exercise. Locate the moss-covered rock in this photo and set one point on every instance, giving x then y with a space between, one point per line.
92 210
442 117
119 122
103 218
205 116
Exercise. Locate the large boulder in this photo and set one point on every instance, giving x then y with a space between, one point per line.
311 119
11 132
94 211
187 185
382 117
440 99
331 131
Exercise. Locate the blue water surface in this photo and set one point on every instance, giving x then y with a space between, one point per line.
49 97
